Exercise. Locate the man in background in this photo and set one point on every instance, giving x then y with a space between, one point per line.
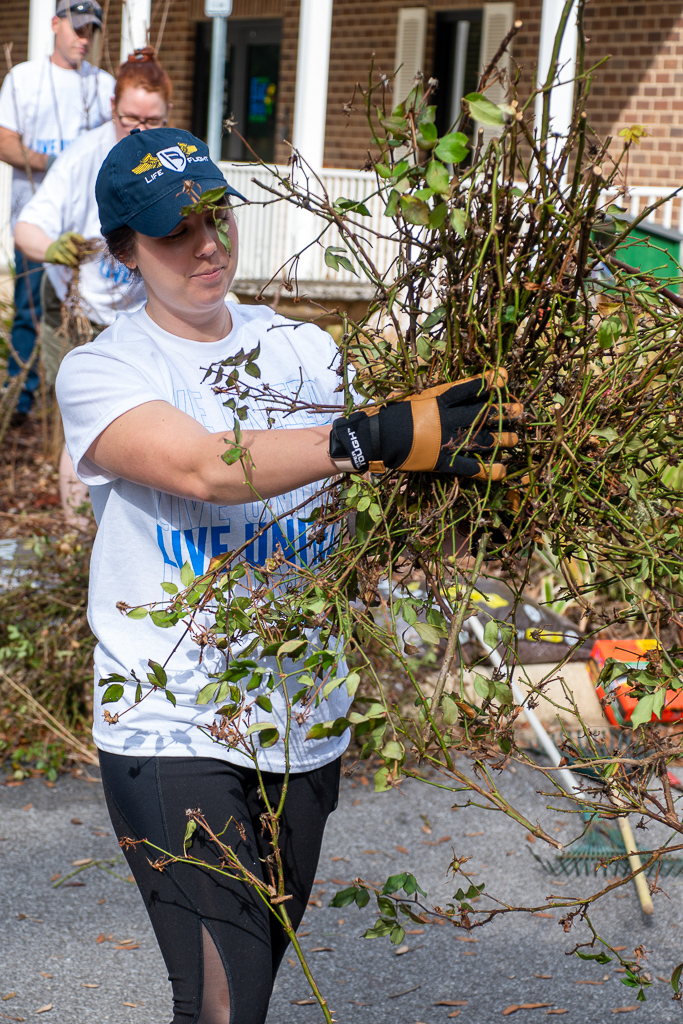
44 105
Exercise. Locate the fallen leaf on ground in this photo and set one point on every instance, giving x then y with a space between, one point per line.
340 922
456 1013
404 992
402 949
355 803
301 934
542 975
340 858
468 834
415 931
100 902
370 851
451 1002
303 1002
626 1009
364 781
89 984
135 1005
660 977
76 821
74 885
466 938
100 833
340 881
292 962
548 1012
315 903
401 849
523 1006
28 808
43 1009
55 877
79 863
427 830
7 1017
619 949
21 783
127 946
529 838
319 881
589 982
322 949
10 995
45 974
355 1002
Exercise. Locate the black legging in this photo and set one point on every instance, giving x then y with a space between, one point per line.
221 944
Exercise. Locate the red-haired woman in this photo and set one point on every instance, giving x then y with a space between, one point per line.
63 212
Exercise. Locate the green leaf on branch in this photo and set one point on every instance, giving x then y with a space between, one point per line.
676 978
452 148
609 331
335 257
159 672
393 751
458 222
430 634
137 613
491 633
344 898
170 697
343 206
169 588
415 211
206 694
438 215
187 576
268 737
190 829
112 694
484 111
382 783
391 209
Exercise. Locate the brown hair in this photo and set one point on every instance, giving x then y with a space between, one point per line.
121 245
142 70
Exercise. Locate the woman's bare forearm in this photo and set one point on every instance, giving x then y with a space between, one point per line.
161 447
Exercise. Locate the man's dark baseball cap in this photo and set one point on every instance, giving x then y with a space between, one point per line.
80 14
148 177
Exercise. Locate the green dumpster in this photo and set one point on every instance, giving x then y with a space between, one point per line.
653 249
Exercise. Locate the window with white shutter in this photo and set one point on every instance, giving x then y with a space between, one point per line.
498 19
410 49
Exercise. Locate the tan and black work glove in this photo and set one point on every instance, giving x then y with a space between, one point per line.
66 250
452 428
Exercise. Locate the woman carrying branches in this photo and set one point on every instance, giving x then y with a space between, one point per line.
148 434
83 288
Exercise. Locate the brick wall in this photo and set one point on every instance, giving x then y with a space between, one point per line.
641 83
14 30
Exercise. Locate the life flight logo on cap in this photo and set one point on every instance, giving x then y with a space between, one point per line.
173 158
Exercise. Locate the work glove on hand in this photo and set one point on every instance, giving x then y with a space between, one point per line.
452 428
65 250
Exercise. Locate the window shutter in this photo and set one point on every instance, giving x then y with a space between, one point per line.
498 19
410 49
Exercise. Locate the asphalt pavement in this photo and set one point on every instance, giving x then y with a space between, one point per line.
84 952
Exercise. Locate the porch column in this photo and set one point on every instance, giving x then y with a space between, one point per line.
312 69
41 39
562 95
136 18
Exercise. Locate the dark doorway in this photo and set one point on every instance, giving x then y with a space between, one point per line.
456 63
252 72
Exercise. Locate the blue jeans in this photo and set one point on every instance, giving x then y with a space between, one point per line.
26 320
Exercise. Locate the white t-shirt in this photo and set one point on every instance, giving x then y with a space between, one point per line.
66 201
49 107
145 536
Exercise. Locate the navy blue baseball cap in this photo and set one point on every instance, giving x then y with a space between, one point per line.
148 177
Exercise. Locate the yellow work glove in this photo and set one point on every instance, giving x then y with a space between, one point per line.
65 250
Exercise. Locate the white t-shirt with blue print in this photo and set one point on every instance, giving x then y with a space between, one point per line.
65 201
50 106
145 536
